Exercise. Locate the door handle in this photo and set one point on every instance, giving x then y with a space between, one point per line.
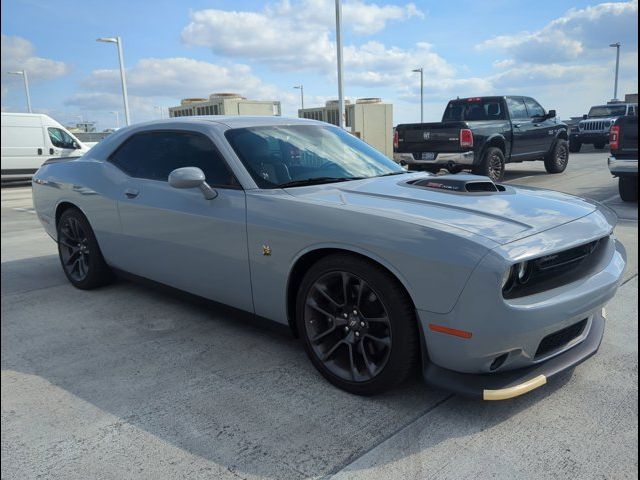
39 151
131 193
51 150
516 125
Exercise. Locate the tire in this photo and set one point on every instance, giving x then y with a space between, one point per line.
575 146
599 146
628 188
343 329
79 253
557 160
491 165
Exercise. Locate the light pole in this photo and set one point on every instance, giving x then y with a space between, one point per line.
339 55
117 114
118 42
301 88
159 110
26 86
615 88
421 71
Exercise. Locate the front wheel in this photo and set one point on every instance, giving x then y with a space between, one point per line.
79 253
491 165
628 188
558 159
357 324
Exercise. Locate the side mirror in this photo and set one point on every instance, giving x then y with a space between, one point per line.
585 116
191 177
551 114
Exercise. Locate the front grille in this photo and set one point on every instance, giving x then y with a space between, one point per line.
595 126
559 339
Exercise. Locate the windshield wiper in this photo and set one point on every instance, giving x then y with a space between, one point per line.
392 173
317 181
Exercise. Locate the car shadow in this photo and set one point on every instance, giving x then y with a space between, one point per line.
235 393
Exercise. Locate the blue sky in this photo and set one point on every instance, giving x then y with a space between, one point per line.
554 50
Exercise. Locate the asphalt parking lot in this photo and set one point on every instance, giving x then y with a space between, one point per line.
131 382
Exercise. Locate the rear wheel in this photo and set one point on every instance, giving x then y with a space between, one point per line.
357 324
575 146
491 165
79 253
628 188
557 160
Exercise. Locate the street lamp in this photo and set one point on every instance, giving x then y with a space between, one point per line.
26 86
301 88
118 42
615 88
117 114
339 55
421 72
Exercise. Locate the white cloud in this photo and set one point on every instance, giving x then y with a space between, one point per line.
290 36
19 54
578 34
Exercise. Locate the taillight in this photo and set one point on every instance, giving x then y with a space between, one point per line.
466 138
614 137
395 139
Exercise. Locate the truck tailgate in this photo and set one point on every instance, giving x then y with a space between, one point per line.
429 137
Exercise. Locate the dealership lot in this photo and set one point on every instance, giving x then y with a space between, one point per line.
128 381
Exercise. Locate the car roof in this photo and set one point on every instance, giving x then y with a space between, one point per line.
237 121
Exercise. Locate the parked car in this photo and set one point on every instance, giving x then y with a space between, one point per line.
623 162
492 289
28 140
593 129
483 134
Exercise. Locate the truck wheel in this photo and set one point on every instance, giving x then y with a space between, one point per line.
628 188
358 324
556 161
491 165
575 146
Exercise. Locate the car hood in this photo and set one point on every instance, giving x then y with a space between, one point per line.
502 217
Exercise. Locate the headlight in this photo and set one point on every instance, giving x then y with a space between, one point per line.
518 274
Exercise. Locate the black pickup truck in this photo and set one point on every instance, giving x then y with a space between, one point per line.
483 134
623 162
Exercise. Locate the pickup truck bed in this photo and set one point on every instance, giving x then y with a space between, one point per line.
623 162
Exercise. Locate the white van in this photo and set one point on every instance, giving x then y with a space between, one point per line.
29 139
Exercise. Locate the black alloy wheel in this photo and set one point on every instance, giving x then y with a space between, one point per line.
558 159
492 165
348 326
80 255
357 323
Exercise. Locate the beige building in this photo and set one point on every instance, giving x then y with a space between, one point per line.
369 119
224 104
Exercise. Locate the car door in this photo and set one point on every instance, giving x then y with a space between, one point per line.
523 145
61 144
543 128
176 236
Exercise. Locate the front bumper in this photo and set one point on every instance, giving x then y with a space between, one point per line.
513 383
592 137
442 159
623 166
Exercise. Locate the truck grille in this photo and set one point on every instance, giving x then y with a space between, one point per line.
595 126
559 339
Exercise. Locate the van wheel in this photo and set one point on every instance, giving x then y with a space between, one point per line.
628 188
357 323
491 165
80 255
557 160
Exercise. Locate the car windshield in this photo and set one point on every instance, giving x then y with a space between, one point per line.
474 109
296 155
608 111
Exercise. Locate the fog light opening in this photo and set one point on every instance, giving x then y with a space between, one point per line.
498 362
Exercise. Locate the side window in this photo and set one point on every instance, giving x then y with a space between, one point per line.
154 155
516 107
534 108
61 139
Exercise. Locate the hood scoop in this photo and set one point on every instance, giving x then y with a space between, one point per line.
459 183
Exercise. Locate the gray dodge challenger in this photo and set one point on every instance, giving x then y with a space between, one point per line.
489 289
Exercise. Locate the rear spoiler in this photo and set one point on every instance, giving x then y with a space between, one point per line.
59 160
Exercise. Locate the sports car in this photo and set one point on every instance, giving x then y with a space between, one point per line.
489 289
